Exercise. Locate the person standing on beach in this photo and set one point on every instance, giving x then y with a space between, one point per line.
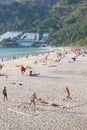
0 67
6 76
32 99
5 93
23 69
68 93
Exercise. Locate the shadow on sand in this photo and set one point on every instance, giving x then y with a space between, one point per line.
50 77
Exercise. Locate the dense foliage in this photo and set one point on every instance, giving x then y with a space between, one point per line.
66 20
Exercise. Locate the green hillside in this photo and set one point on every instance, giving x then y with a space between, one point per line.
73 23
66 20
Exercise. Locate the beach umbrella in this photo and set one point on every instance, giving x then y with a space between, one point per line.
28 67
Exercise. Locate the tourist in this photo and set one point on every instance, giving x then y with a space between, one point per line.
5 93
68 93
0 67
31 74
23 69
32 99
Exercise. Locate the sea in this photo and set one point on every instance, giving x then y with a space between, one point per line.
11 53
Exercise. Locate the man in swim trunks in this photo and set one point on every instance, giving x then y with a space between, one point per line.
5 93
32 100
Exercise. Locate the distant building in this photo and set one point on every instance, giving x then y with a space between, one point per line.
10 35
45 36
28 39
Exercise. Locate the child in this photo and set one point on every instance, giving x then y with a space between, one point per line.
5 93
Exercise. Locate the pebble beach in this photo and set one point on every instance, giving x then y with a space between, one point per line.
55 76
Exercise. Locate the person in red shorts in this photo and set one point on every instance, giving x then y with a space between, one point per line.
23 69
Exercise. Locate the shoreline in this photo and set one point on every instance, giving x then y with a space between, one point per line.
8 58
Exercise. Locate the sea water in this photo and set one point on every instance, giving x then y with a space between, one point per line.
9 53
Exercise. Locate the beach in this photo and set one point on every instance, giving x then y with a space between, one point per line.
56 73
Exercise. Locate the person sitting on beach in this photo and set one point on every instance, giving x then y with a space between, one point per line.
23 69
5 93
32 99
31 74
0 66
68 93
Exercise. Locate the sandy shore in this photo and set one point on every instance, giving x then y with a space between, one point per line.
15 113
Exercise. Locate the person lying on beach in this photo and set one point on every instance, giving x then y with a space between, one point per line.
6 76
68 93
31 74
72 59
32 99
2 74
57 60
23 69
42 101
5 93
49 103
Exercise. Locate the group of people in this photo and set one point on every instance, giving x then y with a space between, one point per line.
23 70
34 97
